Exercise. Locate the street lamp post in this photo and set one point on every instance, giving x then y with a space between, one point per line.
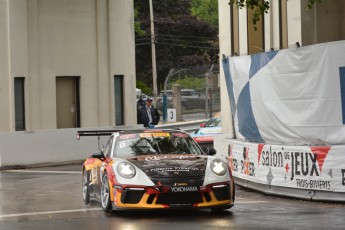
153 49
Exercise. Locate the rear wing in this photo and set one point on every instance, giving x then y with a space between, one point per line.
97 133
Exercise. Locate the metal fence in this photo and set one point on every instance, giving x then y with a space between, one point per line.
194 104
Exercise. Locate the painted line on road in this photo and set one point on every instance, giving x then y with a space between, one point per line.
37 171
48 212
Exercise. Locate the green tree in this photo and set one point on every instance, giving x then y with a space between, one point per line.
190 82
137 25
182 40
206 10
144 87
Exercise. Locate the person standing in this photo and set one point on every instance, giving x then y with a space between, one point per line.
149 115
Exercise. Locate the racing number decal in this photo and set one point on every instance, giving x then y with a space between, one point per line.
122 145
171 114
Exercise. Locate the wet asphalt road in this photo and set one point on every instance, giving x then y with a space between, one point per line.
50 198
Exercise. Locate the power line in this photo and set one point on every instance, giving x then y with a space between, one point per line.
183 36
187 46
181 40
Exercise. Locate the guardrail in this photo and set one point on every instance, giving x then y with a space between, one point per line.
303 172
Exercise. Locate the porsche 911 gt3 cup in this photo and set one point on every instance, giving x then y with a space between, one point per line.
155 169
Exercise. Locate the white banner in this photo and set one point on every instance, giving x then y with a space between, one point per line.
303 167
291 97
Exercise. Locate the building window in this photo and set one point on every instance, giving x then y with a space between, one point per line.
283 41
19 103
234 23
118 92
256 39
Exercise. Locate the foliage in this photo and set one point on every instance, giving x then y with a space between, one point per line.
261 6
190 82
311 3
206 10
181 39
137 26
144 87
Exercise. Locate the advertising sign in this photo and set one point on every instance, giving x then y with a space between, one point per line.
303 167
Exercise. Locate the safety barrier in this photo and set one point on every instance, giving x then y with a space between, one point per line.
304 172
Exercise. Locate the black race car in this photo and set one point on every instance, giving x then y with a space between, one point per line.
155 169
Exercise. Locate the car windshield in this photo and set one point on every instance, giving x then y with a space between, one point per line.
214 121
148 143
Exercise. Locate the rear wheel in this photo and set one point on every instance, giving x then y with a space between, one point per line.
105 194
85 187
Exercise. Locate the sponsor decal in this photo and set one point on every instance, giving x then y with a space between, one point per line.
185 189
154 134
174 169
127 136
180 134
180 184
168 157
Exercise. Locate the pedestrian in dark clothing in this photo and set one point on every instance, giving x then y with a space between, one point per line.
149 115
140 104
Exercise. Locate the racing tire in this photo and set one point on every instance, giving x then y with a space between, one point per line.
105 194
86 187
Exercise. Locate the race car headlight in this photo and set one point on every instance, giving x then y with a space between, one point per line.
218 167
126 170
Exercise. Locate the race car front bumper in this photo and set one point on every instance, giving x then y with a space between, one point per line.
160 197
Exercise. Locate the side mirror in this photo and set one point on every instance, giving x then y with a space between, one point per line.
98 154
211 151
202 125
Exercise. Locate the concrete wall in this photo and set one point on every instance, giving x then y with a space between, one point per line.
43 39
47 146
4 66
55 147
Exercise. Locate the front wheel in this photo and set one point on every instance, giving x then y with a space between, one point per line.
105 194
86 187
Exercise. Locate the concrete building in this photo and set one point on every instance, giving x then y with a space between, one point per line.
64 65
286 25
258 163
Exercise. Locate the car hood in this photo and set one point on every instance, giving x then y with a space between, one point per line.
165 169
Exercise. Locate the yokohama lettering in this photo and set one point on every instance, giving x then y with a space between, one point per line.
184 189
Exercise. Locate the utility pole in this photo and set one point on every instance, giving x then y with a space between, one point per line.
153 48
